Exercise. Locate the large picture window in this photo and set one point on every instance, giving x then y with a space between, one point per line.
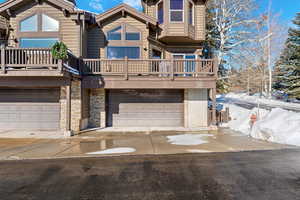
38 31
176 10
37 42
121 52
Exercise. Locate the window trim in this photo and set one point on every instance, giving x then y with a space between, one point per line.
183 13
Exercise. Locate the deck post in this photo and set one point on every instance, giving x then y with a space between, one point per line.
126 68
214 102
68 110
3 66
60 65
172 69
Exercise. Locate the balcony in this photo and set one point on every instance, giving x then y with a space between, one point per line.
149 73
35 62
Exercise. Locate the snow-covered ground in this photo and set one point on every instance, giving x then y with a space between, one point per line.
262 101
276 125
114 151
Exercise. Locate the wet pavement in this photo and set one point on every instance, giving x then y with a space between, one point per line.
257 175
101 144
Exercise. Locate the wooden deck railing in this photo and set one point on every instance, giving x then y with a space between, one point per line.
158 67
34 59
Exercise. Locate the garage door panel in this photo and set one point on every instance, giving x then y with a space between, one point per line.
145 108
36 113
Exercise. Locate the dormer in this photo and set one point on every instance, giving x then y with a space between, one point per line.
180 20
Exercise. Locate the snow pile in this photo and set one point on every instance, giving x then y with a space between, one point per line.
278 125
262 100
189 139
113 151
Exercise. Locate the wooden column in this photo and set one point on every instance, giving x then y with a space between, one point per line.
3 59
214 102
126 68
68 108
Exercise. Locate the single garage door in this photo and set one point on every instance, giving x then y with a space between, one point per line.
35 109
145 108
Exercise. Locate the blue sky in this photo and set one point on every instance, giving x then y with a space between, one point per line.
287 8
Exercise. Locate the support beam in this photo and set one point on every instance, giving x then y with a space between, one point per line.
9 12
214 102
68 109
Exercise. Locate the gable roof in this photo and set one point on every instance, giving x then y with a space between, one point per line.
128 9
11 4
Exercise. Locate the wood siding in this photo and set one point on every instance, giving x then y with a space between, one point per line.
69 30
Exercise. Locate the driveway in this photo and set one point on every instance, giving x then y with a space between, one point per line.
101 144
257 175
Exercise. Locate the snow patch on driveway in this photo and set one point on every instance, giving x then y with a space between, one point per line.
198 151
114 151
189 139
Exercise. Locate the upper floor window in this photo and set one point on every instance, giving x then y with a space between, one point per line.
123 32
39 22
29 24
49 24
176 10
119 52
115 34
37 42
160 13
191 13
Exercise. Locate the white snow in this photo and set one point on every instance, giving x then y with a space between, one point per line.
277 125
189 139
114 151
261 100
198 151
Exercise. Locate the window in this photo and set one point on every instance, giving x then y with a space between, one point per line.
29 24
122 52
176 10
37 42
132 36
49 24
191 13
160 13
115 34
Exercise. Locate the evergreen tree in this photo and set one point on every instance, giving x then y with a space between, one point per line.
288 66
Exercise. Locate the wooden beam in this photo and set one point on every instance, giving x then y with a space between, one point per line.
66 12
9 12
123 13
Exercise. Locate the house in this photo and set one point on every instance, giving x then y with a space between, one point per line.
125 68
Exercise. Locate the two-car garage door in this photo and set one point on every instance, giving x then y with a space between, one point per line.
37 109
145 108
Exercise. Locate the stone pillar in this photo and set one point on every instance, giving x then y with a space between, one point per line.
63 108
76 106
195 108
97 109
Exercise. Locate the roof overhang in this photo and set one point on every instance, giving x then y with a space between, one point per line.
7 7
126 9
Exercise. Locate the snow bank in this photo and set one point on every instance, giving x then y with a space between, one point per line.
261 100
278 125
113 151
189 139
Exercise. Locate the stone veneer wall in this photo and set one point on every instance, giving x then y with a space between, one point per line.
76 107
97 117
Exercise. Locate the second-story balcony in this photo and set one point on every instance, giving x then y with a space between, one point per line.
128 69
35 62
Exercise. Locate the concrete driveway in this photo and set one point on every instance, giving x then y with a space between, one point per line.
108 144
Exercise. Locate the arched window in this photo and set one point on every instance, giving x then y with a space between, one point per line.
160 12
